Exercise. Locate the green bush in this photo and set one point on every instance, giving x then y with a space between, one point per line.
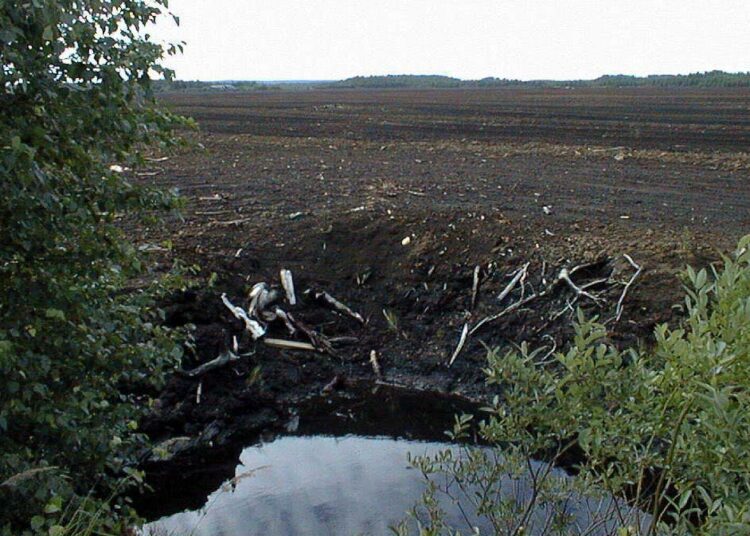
664 430
74 348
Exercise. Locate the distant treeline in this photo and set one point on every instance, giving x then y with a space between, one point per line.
408 81
707 79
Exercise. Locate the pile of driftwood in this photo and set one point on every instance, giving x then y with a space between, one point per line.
527 294
266 306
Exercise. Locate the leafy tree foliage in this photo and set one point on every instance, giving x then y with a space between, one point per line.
665 431
76 99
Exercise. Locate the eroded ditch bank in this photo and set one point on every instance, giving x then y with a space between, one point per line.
415 304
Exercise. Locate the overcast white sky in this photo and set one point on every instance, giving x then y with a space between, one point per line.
526 39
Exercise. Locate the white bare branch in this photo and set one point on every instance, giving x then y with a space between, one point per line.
253 327
638 270
287 282
461 343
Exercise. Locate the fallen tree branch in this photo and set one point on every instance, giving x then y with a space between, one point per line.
338 306
319 342
223 359
261 296
289 345
564 276
16 479
253 327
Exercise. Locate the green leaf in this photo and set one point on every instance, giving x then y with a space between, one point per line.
37 522
57 530
54 506
55 313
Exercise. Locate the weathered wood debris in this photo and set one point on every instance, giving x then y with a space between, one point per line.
267 305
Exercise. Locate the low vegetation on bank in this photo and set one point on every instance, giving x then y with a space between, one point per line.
664 430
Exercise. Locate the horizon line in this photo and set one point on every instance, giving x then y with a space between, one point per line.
320 80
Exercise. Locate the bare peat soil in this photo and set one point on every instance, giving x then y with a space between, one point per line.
390 200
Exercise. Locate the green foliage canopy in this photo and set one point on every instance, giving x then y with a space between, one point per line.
76 99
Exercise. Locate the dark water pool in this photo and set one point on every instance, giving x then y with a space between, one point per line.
343 469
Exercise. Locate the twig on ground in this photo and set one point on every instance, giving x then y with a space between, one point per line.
509 309
544 359
229 222
289 345
223 359
343 341
638 270
461 343
280 313
375 364
338 306
520 273
475 286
